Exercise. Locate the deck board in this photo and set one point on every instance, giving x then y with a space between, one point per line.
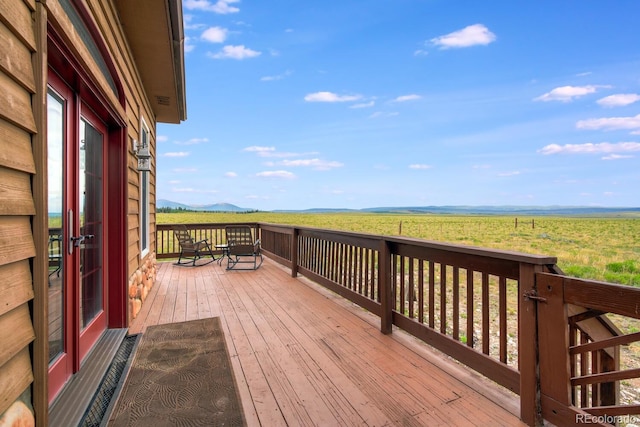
305 356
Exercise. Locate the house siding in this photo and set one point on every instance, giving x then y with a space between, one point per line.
17 207
23 182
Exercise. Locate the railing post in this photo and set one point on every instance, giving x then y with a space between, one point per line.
294 252
384 287
530 409
553 354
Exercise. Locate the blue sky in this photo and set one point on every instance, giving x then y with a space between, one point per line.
363 103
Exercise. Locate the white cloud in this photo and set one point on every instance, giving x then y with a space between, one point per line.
568 93
214 34
188 46
177 154
610 123
512 173
276 77
314 163
420 166
405 98
276 174
619 100
590 148
230 174
188 22
162 138
363 105
472 35
420 52
330 97
221 7
235 52
193 141
175 181
262 151
617 157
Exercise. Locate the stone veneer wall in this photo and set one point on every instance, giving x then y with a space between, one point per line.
140 284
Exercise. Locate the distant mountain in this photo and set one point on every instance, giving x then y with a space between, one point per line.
505 210
162 203
483 210
436 210
318 210
215 207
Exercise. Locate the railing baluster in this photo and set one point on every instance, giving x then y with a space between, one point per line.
470 308
502 316
403 290
443 298
421 290
485 313
432 297
367 256
456 304
411 289
584 370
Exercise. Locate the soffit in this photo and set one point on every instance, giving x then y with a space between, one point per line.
156 36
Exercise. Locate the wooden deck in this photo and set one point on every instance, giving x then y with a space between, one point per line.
304 356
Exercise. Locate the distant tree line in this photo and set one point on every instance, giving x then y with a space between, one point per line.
174 210
182 210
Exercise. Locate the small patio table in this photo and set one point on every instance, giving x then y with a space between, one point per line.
225 252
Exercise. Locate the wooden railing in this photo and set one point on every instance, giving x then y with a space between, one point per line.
484 307
462 300
581 367
167 245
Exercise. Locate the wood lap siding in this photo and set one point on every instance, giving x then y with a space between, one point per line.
17 126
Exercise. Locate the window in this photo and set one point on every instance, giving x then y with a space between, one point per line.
144 195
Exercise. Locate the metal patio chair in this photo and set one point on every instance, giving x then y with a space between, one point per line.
191 250
55 252
243 252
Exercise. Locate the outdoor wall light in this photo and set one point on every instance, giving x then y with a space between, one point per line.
144 156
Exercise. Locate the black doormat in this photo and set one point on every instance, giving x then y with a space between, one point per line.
97 410
181 375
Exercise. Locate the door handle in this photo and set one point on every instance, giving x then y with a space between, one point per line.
77 241
71 244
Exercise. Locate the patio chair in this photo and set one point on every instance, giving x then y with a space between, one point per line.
191 250
55 252
243 251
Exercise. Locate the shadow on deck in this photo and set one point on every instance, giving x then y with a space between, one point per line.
302 355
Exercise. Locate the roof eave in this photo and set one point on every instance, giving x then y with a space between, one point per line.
154 30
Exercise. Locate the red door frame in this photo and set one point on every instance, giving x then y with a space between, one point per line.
90 334
66 73
63 367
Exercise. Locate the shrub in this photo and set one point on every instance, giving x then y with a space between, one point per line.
628 266
581 271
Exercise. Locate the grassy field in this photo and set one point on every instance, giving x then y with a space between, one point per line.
606 249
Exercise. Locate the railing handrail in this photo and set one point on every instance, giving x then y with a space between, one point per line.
523 257
502 254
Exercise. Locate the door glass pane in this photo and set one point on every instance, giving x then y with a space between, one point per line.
55 144
90 186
